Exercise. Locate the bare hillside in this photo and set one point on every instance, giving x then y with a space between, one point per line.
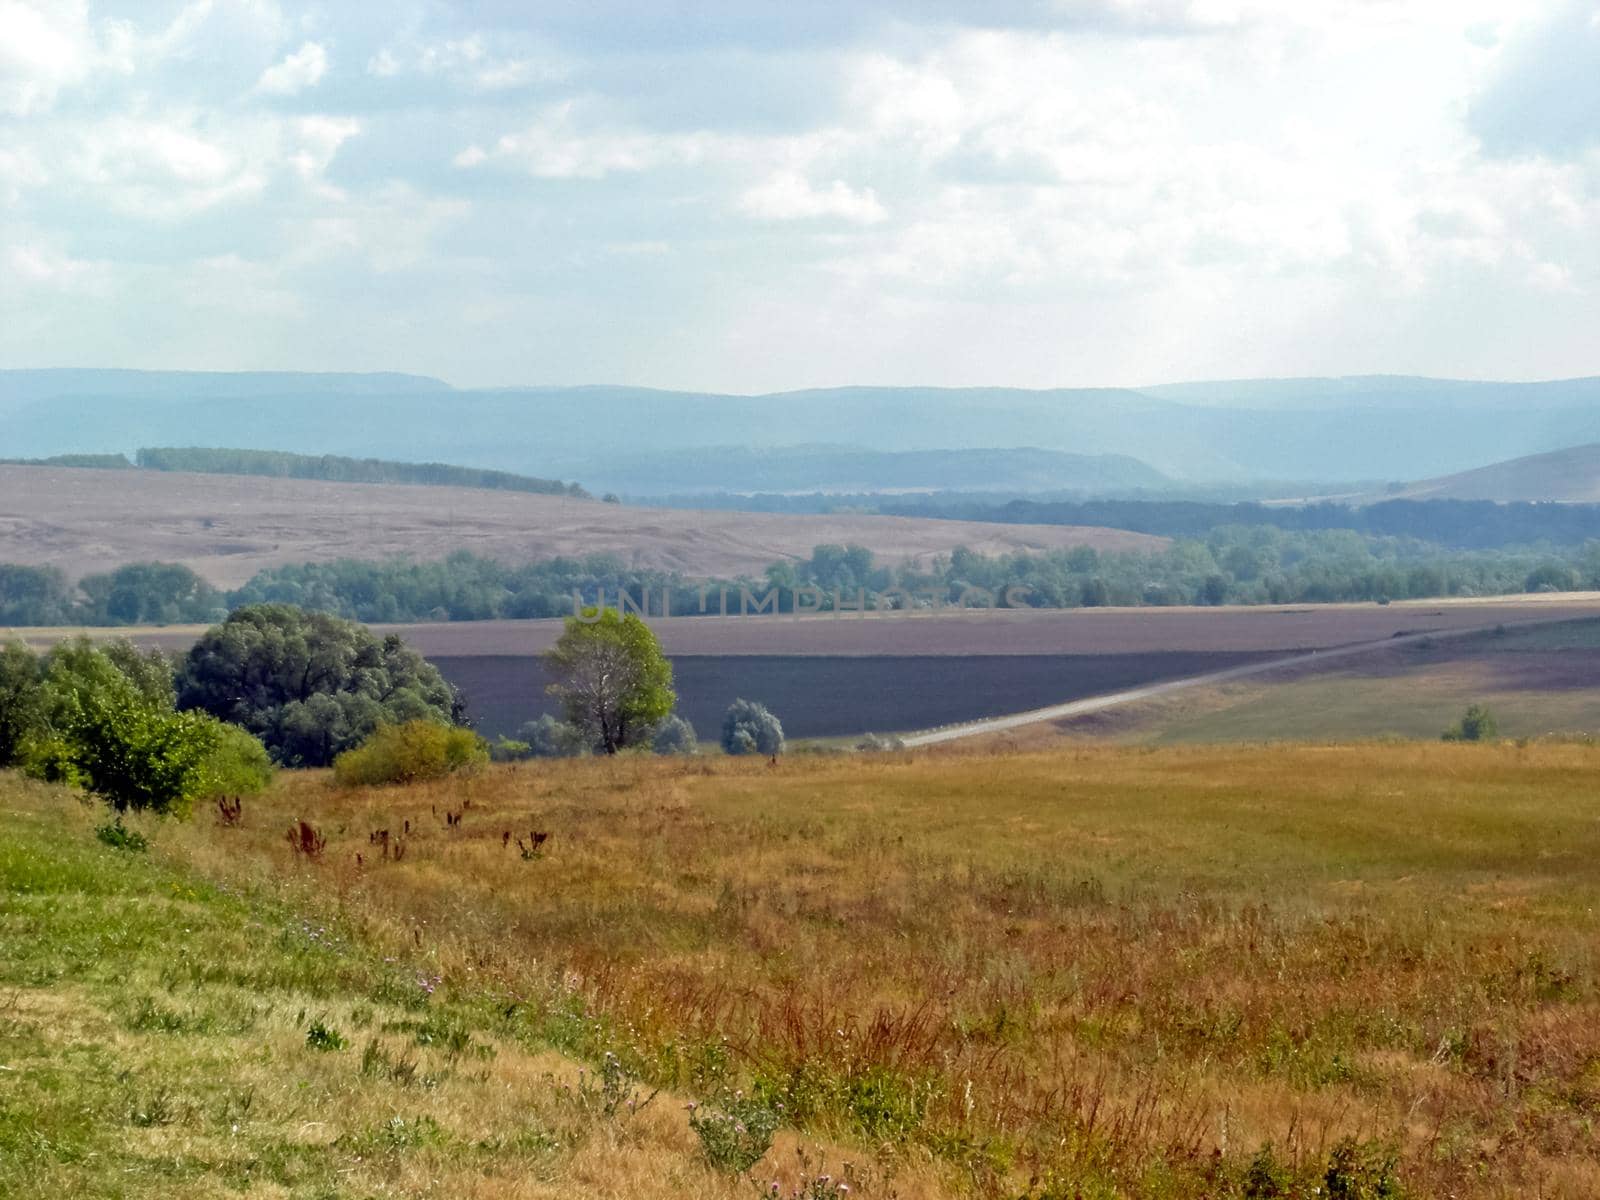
1564 476
229 527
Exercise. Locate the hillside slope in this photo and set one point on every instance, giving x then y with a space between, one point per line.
229 527
1569 476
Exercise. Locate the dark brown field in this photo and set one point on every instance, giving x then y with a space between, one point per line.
826 696
228 527
1030 631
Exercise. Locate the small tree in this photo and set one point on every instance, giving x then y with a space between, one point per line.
674 736
135 755
611 678
749 728
1477 724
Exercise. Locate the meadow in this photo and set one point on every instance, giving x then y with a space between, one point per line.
1362 970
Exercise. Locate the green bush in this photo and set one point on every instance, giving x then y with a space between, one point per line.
134 755
550 737
1476 725
119 837
239 766
674 736
735 1137
409 752
749 728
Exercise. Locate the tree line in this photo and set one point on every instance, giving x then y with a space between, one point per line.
1261 564
1448 524
281 464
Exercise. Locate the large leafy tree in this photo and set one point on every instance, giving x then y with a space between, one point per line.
309 685
611 678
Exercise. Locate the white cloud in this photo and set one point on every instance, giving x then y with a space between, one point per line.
320 138
473 62
40 265
789 196
560 144
301 70
43 49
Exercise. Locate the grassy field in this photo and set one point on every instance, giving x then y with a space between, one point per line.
1095 972
1538 682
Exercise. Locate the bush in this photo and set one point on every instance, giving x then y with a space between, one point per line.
550 737
872 743
506 750
119 837
239 766
736 1138
674 736
134 755
748 728
1476 725
409 752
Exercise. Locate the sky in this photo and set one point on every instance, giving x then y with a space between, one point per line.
757 195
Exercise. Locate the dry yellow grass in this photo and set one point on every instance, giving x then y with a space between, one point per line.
1117 970
1096 972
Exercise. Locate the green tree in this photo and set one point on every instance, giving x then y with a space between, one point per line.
149 594
750 728
611 678
309 685
136 755
22 714
1477 724
33 596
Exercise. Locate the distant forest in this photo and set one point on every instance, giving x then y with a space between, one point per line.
1454 524
1233 564
280 464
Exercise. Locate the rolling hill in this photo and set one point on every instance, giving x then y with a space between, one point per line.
227 527
1316 430
1570 476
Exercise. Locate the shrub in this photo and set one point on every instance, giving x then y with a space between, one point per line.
674 736
504 749
1361 1171
735 1137
748 728
135 756
409 752
322 1036
119 837
1477 724
240 765
872 743
550 737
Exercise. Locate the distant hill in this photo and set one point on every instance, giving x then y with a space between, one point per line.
851 469
1569 476
228 527
1332 431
